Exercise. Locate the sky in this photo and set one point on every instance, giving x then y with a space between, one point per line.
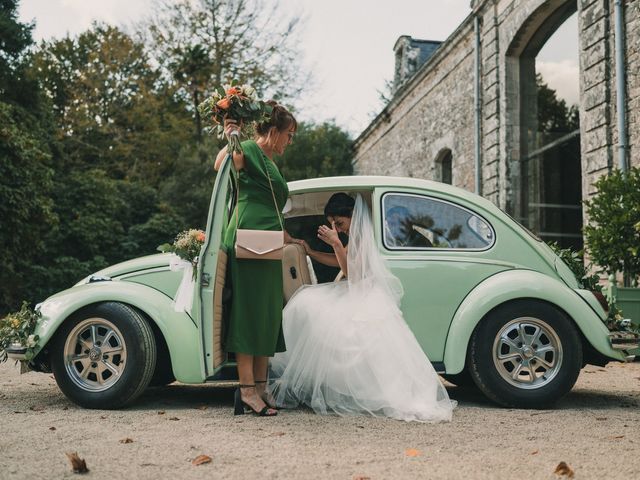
347 45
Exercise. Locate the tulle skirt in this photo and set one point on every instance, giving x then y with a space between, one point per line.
349 352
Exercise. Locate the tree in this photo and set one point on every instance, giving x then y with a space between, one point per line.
613 232
113 111
15 38
554 116
318 151
204 43
25 176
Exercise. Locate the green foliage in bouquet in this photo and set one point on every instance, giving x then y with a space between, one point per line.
187 245
612 235
18 328
234 101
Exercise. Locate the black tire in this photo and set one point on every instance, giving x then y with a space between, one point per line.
163 373
534 373
112 354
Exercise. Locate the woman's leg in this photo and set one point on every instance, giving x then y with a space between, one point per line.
260 374
246 375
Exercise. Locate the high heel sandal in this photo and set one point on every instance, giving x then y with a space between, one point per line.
267 398
239 405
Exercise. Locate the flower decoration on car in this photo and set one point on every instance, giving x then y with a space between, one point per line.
17 329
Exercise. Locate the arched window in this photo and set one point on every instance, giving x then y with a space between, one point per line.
443 166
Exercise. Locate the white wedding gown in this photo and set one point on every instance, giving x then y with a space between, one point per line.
349 350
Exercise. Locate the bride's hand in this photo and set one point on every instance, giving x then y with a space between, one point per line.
329 235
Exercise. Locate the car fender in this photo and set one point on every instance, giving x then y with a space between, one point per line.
179 329
518 284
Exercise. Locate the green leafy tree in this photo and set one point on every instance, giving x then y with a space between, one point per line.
112 110
188 188
318 151
554 116
613 232
205 43
25 176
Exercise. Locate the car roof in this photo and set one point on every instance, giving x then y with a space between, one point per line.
356 182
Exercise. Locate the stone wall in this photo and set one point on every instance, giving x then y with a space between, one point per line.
430 113
435 110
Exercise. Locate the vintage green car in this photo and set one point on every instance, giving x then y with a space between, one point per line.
490 304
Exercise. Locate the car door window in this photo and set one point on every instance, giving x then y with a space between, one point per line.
417 222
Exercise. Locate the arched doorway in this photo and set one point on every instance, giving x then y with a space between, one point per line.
545 166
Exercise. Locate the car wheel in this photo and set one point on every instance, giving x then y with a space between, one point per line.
104 356
525 354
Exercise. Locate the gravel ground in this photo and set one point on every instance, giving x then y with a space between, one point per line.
595 430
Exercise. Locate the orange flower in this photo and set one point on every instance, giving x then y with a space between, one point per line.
200 237
233 91
224 103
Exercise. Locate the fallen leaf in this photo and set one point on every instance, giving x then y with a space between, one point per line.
52 428
36 408
535 452
359 426
616 437
78 464
564 469
360 477
175 419
102 417
412 452
161 412
276 434
601 418
202 407
126 440
201 459
18 411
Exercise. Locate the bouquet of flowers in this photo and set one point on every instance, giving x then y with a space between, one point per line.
18 328
237 102
187 245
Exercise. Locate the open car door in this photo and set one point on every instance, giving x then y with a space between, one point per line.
212 266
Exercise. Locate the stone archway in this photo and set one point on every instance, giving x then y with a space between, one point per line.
543 170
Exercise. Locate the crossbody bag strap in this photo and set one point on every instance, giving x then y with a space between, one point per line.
273 195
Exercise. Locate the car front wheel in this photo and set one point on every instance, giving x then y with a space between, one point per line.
104 356
525 354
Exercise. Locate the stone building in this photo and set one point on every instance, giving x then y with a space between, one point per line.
464 111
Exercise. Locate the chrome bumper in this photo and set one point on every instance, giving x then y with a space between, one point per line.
16 351
624 340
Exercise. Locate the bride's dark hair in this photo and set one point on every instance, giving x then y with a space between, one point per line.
339 205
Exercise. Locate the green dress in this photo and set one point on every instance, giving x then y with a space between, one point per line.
255 319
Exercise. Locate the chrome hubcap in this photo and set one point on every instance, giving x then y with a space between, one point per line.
95 354
527 353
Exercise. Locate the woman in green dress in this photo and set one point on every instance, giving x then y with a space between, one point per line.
254 331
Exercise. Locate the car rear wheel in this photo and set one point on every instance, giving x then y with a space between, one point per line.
525 354
104 356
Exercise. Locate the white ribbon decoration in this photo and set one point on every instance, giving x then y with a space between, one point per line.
184 295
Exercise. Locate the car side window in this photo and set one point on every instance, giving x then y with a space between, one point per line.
417 222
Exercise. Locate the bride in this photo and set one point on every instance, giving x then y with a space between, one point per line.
349 350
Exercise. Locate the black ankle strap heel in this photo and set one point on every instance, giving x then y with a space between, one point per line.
239 405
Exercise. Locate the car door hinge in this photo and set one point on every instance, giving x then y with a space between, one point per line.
205 280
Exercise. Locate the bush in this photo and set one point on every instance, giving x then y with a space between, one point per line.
612 235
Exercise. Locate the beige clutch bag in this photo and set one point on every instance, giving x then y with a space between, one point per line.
259 244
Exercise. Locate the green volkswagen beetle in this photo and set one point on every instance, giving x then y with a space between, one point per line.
490 304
